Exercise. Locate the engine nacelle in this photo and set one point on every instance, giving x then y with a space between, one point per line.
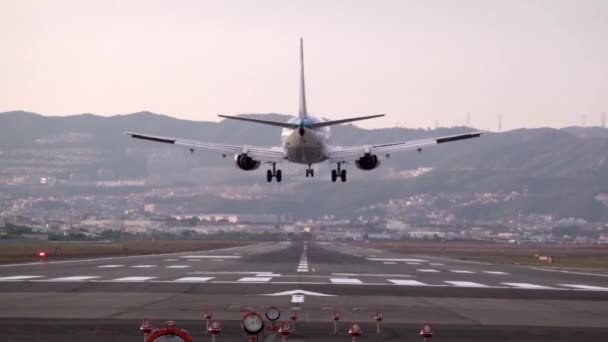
368 162
244 162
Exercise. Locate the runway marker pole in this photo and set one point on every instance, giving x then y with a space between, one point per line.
378 318
336 317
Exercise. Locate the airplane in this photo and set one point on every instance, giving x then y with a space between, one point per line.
305 140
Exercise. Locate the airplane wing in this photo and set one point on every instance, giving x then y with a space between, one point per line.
346 154
262 154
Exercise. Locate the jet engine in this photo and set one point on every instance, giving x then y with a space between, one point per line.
368 162
244 162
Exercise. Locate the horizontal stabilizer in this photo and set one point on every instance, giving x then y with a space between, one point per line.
337 122
263 122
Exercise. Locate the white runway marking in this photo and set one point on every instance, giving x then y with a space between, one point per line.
406 282
529 286
303 265
461 271
171 259
200 259
211 257
143 266
255 279
570 272
495 272
413 263
134 278
352 281
74 278
20 277
110 266
193 279
368 275
396 259
435 264
389 263
427 270
585 287
465 284
177 266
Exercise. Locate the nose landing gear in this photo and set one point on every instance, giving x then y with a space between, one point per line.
274 173
310 172
338 173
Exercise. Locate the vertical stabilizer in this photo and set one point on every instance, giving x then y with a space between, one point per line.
302 112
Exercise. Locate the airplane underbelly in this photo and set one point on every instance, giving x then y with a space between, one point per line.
307 149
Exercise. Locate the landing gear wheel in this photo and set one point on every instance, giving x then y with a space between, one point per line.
343 176
307 173
279 176
269 176
312 172
334 175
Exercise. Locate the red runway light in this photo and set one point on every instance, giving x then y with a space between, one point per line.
42 254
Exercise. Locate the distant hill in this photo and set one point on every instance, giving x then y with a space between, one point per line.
563 168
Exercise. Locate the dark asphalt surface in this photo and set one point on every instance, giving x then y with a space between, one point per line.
105 299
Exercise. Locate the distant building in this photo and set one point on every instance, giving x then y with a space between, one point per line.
149 208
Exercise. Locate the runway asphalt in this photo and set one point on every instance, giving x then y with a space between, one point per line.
465 301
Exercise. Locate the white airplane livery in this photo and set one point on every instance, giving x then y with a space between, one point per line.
305 140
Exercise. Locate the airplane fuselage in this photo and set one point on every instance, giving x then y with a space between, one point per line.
306 145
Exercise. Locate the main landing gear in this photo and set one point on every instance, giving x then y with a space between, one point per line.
310 172
274 173
338 173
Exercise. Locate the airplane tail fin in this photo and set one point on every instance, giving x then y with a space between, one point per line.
302 113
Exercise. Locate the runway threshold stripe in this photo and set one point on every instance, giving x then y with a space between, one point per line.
353 281
134 278
254 279
529 286
193 279
19 277
407 282
427 270
465 283
585 287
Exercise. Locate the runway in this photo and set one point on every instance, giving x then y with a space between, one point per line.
464 300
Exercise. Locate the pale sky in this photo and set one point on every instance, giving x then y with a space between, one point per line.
538 63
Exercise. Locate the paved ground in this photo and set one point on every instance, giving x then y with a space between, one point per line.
465 301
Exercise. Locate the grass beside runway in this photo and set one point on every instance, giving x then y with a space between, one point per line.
579 256
28 251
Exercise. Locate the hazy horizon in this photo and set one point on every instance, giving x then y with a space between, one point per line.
536 63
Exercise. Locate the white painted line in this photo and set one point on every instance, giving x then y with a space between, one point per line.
177 266
427 270
396 259
529 286
211 257
406 282
435 264
143 266
389 263
193 279
495 272
20 277
413 263
466 284
353 281
586 287
171 259
297 299
461 271
200 259
369 275
74 278
255 279
133 279
110 266
570 272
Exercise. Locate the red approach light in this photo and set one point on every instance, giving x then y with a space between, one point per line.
42 254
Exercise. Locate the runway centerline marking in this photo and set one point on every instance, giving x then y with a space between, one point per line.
427 270
585 287
177 266
303 265
495 272
19 277
389 263
465 283
110 266
530 286
397 259
369 275
350 281
143 266
462 271
211 257
74 278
